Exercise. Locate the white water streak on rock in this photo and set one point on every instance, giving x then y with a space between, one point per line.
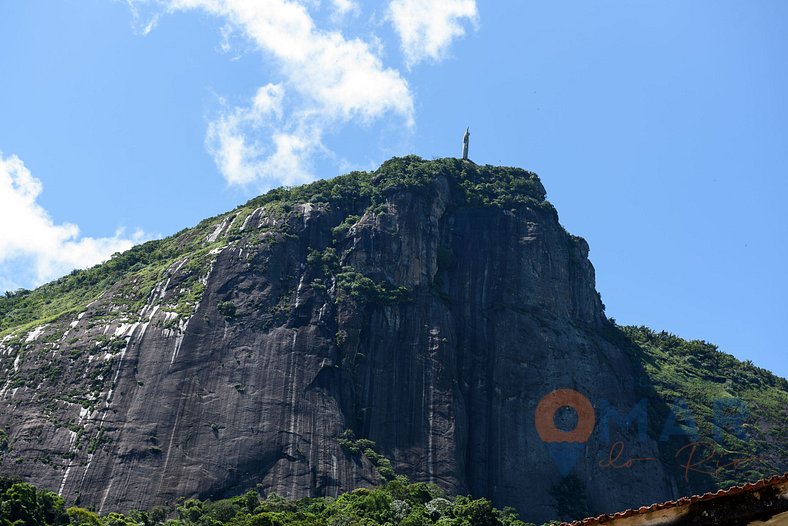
35 333
230 226
307 212
184 324
63 481
134 334
121 329
249 218
433 344
83 413
298 290
170 273
219 228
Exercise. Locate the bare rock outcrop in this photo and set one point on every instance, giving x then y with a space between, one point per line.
421 318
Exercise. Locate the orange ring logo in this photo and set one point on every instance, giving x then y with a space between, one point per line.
552 402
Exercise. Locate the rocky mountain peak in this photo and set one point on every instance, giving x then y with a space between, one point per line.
321 337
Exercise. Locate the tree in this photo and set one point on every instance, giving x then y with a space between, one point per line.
479 512
23 504
83 517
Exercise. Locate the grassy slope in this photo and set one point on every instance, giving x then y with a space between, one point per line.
130 276
719 389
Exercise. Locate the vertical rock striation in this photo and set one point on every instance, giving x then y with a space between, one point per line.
428 307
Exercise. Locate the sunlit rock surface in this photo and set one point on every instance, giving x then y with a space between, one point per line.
427 322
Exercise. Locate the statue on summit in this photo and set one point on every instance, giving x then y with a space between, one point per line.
465 140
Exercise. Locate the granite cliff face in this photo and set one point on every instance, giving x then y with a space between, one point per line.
428 307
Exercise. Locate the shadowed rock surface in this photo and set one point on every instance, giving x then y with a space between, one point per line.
427 306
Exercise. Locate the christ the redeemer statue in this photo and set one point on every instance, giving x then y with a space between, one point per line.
465 140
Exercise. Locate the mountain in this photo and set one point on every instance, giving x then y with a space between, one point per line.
430 318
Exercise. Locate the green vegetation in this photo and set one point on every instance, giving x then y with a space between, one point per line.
3 442
398 502
480 185
740 410
24 505
571 497
341 230
359 287
363 446
97 441
81 286
328 259
227 309
673 369
129 278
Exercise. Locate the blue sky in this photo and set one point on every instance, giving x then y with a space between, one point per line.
659 128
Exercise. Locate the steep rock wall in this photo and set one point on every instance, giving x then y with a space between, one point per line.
289 346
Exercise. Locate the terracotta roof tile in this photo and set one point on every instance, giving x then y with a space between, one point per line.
750 486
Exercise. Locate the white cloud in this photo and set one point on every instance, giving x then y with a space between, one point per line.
326 80
344 7
140 25
427 27
268 100
282 159
323 80
29 235
342 77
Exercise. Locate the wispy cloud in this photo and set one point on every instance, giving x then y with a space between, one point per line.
427 28
140 24
323 80
344 7
30 237
283 158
